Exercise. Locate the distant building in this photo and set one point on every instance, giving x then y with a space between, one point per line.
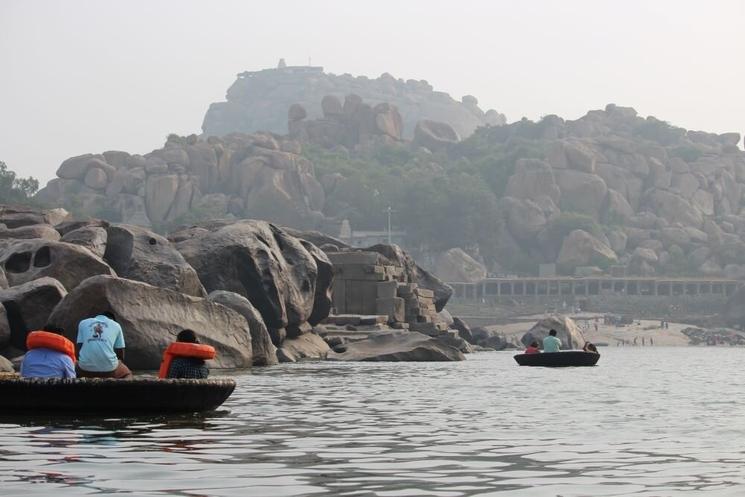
363 239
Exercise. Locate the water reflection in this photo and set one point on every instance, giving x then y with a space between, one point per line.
641 423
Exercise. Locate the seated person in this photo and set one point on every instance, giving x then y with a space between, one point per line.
551 343
590 347
101 348
48 356
185 366
532 348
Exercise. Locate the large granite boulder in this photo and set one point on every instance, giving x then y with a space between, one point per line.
566 331
580 191
396 347
28 306
323 299
5 332
91 237
456 265
673 208
264 351
434 135
151 317
305 346
139 254
532 179
43 231
260 261
70 264
580 248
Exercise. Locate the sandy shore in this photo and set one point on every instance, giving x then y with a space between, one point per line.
645 332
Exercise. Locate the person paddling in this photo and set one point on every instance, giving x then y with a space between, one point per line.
551 343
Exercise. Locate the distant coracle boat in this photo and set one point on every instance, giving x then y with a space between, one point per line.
565 358
110 396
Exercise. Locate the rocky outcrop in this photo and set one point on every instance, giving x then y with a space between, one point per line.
260 261
355 123
434 136
260 100
580 248
27 307
28 260
240 175
264 351
395 347
566 331
139 254
151 317
456 265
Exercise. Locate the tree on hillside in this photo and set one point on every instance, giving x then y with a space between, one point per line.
14 189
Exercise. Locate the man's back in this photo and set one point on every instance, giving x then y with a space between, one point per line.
551 344
99 336
47 363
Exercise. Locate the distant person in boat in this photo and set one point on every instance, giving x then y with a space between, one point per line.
551 343
101 348
188 367
533 348
47 357
590 347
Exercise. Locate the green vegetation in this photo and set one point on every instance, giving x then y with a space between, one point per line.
15 190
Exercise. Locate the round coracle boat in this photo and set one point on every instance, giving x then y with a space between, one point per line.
106 395
565 358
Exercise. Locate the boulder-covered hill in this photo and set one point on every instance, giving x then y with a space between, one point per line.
259 101
608 188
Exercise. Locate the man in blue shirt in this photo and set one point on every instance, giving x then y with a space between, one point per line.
551 343
44 362
101 348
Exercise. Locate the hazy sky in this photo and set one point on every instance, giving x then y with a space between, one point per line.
89 76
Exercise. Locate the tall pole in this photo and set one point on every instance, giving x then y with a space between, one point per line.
389 225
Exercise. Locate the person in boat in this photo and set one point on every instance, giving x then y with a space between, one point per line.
590 347
189 366
551 343
50 355
533 348
100 345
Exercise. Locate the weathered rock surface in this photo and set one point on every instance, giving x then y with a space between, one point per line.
5 365
259 101
27 307
139 254
434 135
264 351
260 261
4 328
566 331
91 237
151 317
396 347
305 346
28 260
456 265
582 249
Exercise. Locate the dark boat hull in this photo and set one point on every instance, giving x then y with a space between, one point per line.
558 359
104 396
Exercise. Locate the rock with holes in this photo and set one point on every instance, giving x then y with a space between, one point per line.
91 237
264 351
139 254
28 306
151 317
260 261
27 260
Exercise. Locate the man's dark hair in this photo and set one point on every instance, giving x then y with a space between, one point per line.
54 329
552 333
187 336
534 343
109 315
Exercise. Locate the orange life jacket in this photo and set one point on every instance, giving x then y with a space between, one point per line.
45 339
184 349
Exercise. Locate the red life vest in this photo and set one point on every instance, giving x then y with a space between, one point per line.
184 349
47 340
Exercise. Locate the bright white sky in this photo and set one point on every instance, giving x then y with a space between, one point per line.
82 76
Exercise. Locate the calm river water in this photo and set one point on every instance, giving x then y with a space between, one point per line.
644 422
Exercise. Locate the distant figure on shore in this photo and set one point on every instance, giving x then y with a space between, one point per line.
643 341
101 348
50 355
551 343
590 347
651 341
533 348
185 358
635 338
